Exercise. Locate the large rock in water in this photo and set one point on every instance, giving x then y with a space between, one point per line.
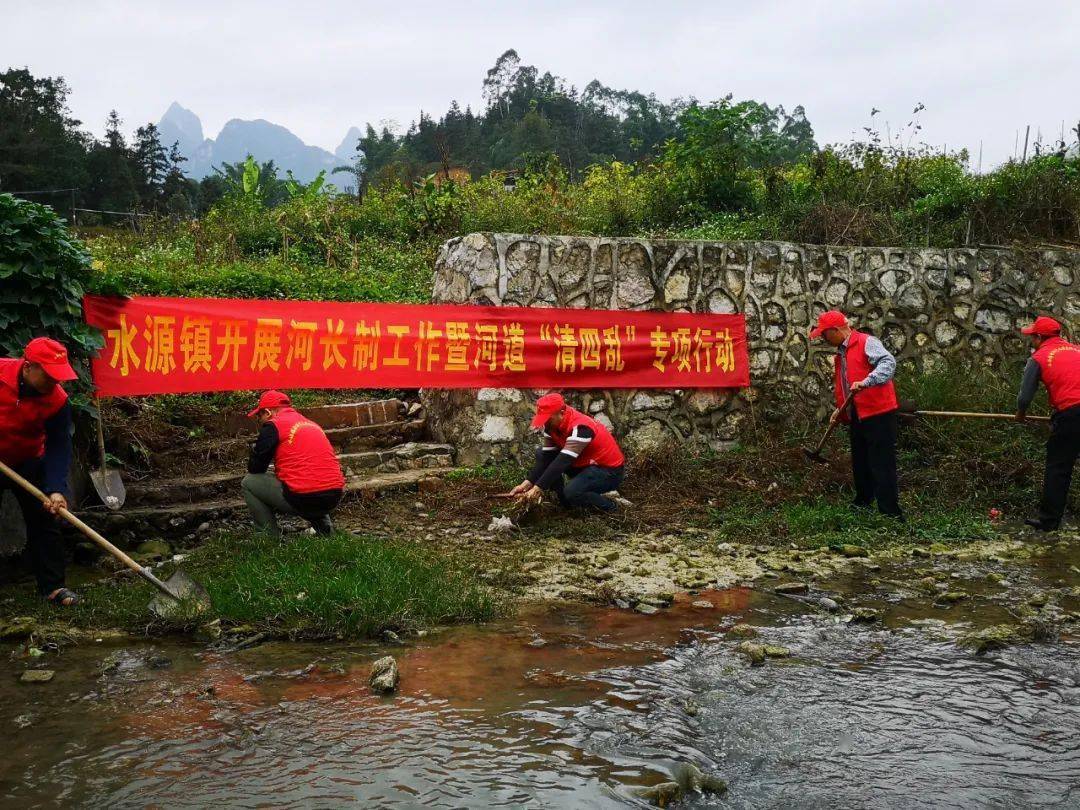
384 675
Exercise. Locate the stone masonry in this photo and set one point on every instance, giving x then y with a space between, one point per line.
928 305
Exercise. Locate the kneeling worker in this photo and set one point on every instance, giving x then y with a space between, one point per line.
307 479
579 447
864 370
1056 362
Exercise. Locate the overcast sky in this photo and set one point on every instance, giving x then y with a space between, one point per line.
983 69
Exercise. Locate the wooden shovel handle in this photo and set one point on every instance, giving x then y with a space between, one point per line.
832 425
82 527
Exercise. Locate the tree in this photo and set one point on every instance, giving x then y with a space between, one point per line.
113 171
153 165
41 145
253 180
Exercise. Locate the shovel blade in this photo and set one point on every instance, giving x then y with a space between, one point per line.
189 599
109 487
814 455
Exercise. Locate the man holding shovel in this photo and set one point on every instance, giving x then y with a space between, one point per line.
1055 362
866 402
35 441
307 478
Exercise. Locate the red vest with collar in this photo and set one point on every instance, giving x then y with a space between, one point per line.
305 460
870 401
603 450
22 419
1059 368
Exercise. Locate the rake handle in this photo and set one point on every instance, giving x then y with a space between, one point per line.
86 530
978 415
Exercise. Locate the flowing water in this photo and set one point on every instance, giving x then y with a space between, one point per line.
573 707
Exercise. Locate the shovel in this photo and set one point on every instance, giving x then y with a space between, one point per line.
815 454
109 486
186 598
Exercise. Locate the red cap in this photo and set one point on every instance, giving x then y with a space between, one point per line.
271 399
546 406
1043 326
52 357
833 319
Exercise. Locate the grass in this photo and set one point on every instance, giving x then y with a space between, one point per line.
314 587
828 521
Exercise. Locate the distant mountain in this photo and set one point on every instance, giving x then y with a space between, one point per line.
182 126
238 139
346 151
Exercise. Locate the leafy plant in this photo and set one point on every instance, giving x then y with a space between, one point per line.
42 272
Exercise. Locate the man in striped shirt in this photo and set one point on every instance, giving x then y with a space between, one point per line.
575 446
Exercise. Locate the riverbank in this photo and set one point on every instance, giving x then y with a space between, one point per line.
876 677
405 563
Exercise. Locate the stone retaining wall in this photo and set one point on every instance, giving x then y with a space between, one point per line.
927 305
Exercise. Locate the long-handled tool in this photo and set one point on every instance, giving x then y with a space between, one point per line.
815 454
185 595
972 415
109 486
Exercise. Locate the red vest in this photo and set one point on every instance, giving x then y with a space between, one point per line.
870 401
603 450
304 460
22 420
1059 367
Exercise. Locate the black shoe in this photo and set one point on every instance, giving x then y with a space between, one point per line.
323 525
1039 526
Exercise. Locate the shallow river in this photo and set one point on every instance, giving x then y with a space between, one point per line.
858 717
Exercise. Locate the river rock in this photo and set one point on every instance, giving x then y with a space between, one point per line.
154 550
743 631
703 604
776 651
995 637
1038 599
865 615
755 652
850 550
952 597
791 588
17 628
661 795
384 675
693 780
37 676
828 604
646 609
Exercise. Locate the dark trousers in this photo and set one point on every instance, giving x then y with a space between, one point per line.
1062 450
44 545
873 462
586 486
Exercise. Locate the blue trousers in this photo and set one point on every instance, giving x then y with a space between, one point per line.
585 487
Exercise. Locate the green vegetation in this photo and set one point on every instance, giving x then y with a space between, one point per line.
599 161
313 587
42 269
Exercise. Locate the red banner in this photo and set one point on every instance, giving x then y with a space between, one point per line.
185 345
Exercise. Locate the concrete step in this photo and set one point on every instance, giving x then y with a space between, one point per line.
352 414
179 519
190 489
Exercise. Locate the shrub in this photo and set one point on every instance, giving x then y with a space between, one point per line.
43 268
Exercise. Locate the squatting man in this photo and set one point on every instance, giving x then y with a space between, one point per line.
579 460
